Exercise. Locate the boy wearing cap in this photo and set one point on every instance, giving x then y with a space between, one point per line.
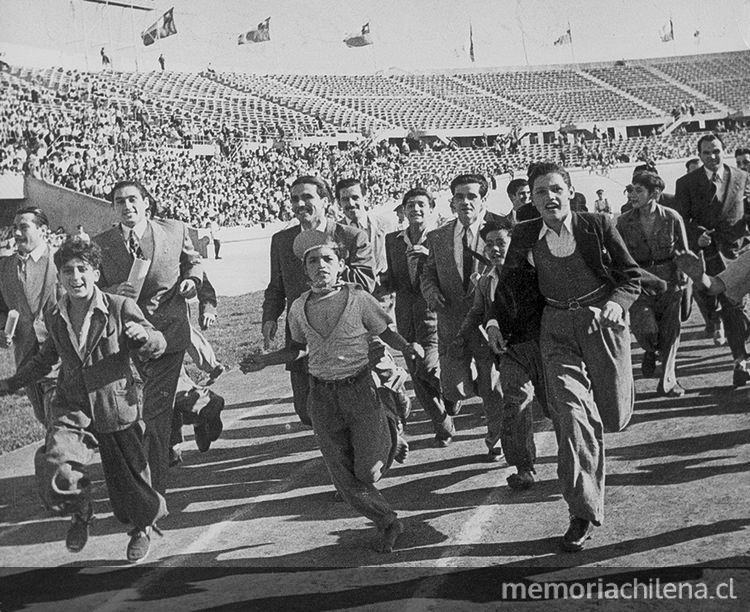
331 324
94 334
511 313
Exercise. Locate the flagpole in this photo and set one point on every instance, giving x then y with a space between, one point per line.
523 33
132 34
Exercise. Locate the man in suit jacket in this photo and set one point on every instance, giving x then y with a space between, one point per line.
589 281
28 285
447 284
310 198
406 252
520 197
174 274
713 201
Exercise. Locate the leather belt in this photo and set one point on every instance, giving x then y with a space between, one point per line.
592 297
342 382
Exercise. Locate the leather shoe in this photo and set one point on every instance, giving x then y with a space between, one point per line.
740 376
202 436
140 542
648 365
578 532
495 454
453 408
439 442
719 338
521 481
78 532
675 391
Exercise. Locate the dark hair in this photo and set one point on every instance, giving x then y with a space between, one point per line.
338 248
418 191
145 194
629 188
695 160
645 168
741 151
40 218
547 167
708 138
502 224
515 185
349 182
470 179
76 248
324 190
650 180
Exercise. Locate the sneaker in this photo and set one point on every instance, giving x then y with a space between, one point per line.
78 532
140 542
578 532
439 442
495 454
719 338
740 376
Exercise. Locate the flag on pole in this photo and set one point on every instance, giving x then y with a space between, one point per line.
161 29
565 39
667 32
261 34
696 34
362 39
471 44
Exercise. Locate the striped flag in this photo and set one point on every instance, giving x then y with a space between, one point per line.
362 39
471 43
164 27
565 39
261 34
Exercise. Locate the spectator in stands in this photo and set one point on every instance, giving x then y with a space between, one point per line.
447 282
713 205
406 253
742 158
588 377
520 199
653 235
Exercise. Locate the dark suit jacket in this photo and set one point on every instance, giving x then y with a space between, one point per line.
175 259
693 200
600 245
13 297
442 276
414 320
99 391
288 279
526 212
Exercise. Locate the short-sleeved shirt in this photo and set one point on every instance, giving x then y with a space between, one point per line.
345 351
736 277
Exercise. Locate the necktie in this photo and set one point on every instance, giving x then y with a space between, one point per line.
134 246
22 268
468 262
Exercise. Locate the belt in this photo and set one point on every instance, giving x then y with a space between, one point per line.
341 382
654 262
592 297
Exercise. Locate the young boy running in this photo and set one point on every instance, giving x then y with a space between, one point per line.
358 437
94 335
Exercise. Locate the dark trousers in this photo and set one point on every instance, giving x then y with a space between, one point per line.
736 322
160 378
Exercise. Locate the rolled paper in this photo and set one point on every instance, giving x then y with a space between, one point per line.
138 273
10 323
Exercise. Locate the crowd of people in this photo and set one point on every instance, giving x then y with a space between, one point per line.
531 311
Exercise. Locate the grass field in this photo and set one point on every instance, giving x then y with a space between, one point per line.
237 332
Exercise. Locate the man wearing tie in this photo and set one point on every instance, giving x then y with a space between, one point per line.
713 200
447 282
28 285
174 274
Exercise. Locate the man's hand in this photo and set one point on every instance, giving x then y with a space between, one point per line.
188 289
127 290
705 238
436 301
252 363
612 315
691 264
496 341
207 320
417 250
269 330
136 332
5 340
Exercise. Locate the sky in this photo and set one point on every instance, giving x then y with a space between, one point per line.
409 35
